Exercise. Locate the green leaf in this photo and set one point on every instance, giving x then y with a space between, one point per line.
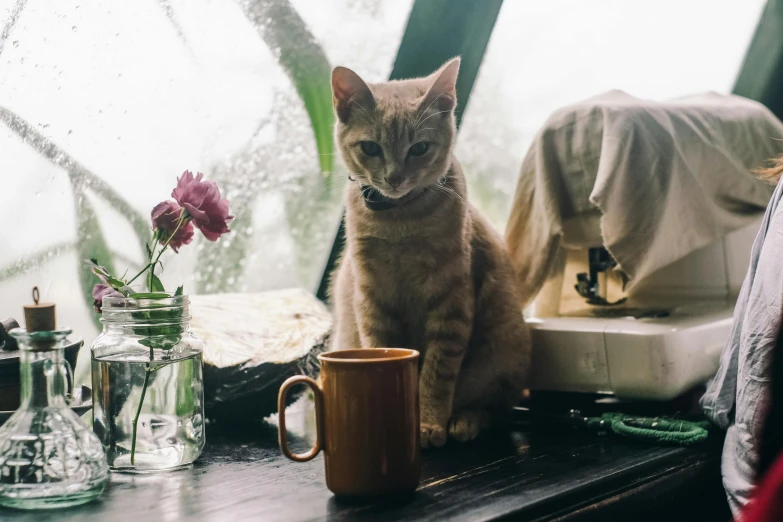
179 291
117 284
33 260
160 325
160 342
149 251
96 268
305 63
90 244
154 284
185 399
78 173
101 272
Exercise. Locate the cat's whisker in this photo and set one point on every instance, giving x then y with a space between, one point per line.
331 185
336 176
449 195
364 111
361 119
341 177
460 198
436 188
456 194
430 116
453 194
416 123
336 183
419 131
449 175
338 169
354 105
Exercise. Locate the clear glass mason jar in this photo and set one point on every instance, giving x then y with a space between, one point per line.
49 458
147 384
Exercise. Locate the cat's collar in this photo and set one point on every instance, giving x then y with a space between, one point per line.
376 201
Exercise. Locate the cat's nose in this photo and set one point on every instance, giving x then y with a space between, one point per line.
394 180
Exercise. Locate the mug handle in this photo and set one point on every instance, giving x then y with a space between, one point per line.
319 418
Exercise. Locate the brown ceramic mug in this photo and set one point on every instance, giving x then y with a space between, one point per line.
367 412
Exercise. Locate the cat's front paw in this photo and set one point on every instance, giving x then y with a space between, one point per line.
466 425
432 435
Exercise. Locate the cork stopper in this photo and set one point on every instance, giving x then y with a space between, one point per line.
39 317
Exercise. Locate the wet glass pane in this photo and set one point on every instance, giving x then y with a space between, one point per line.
543 55
104 104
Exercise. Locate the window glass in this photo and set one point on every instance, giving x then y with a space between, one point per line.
104 104
543 55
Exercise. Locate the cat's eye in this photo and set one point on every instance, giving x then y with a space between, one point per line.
419 149
371 148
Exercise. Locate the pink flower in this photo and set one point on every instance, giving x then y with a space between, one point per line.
99 292
202 201
165 217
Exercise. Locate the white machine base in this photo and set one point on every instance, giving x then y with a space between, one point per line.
633 358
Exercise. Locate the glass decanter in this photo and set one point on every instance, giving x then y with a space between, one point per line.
148 393
49 458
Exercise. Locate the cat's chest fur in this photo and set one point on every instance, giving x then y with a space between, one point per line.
405 274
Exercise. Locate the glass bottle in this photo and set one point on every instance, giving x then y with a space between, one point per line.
148 393
49 458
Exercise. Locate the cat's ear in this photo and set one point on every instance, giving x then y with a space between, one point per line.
442 93
349 90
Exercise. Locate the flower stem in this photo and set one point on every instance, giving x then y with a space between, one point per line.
138 412
151 264
140 273
148 370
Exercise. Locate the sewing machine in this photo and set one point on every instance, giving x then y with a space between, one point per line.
656 341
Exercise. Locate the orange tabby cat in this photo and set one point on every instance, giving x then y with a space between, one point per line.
422 268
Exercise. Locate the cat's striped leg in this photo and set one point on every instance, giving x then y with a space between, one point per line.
345 334
448 330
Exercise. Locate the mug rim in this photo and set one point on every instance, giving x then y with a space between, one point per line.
404 354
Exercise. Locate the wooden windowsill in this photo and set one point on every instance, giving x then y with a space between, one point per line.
522 473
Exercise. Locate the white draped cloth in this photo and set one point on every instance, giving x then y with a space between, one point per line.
665 179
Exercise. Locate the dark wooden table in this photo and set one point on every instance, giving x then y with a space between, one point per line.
524 472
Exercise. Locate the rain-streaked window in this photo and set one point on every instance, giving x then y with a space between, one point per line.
104 104
543 55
